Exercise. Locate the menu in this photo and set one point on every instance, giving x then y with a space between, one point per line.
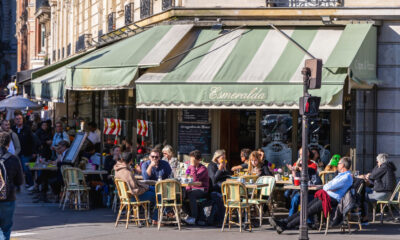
194 137
195 115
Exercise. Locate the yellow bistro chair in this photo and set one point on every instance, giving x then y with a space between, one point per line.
76 188
393 200
264 196
235 197
169 194
327 176
125 202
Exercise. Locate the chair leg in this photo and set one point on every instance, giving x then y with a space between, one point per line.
240 218
128 215
321 222
121 207
178 217
146 214
327 224
260 211
348 223
160 217
373 212
62 198
230 218
390 211
225 217
249 218
382 211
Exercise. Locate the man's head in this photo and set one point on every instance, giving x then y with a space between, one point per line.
155 156
92 126
44 126
62 146
344 164
116 151
19 119
301 153
59 127
245 154
5 125
195 157
5 139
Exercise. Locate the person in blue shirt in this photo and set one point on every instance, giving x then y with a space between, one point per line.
156 168
335 189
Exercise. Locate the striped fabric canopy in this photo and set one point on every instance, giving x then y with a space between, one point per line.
258 68
116 66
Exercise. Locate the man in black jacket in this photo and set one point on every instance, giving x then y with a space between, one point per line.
27 142
14 177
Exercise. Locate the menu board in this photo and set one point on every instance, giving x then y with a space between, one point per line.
195 115
75 147
194 137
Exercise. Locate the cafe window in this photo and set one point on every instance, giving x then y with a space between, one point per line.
157 129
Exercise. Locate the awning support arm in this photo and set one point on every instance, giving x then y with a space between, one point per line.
292 40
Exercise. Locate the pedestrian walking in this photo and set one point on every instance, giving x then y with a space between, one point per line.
10 177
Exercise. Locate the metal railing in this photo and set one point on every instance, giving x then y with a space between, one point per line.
304 3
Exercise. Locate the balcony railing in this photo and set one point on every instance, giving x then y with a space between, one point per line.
304 3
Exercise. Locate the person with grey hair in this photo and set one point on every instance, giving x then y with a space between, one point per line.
383 178
168 156
15 146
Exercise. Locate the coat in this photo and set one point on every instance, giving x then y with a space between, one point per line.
123 172
384 177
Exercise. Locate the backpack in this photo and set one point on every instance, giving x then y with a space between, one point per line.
3 176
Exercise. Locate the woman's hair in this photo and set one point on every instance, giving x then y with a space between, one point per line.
218 154
115 147
254 155
382 157
169 150
245 152
127 157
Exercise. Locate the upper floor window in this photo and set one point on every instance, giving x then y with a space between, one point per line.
145 8
111 21
129 13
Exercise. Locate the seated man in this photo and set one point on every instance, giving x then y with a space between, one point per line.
334 190
199 173
124 172
244 157
155 168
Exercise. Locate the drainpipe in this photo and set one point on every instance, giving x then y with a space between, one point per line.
364 121
375 124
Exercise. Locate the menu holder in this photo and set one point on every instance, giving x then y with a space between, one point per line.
75 148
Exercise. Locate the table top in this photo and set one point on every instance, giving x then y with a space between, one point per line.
43 168
88 172
256 185
153 182
284 182
311 188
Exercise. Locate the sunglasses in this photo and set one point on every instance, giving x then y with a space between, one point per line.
154 157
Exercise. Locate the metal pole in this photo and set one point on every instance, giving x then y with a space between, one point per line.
304 164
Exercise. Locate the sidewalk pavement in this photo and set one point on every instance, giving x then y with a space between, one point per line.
47 221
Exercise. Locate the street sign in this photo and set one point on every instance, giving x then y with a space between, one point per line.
142 128
315 66
309 105
112 126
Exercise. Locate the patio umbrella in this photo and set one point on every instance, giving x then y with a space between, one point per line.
18 103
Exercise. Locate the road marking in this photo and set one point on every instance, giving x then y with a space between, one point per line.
21 234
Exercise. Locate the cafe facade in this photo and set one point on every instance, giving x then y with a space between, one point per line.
222 87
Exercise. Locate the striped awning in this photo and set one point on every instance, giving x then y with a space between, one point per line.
259 68
116 66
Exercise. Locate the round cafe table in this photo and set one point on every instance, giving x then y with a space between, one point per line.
153 182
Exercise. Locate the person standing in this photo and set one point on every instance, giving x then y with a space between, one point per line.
44 135
28 151
15 146
11 172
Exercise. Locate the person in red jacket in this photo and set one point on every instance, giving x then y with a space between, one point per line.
199 173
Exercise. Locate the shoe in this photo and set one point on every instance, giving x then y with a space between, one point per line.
31 188
277 225
190 221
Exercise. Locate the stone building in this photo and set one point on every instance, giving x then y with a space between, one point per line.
8 42
366 122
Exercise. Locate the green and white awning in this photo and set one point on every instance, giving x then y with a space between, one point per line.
259 68
117 65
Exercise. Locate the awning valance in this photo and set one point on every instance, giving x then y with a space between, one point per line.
117 65
258 68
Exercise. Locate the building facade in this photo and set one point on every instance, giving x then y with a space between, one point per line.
8 41
367 124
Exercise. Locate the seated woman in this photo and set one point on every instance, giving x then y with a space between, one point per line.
168 156
244 157
218 174
124 172
383 179
333 164
257 166
199 173
112 159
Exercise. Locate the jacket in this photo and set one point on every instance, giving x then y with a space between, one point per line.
199 174
217 176
26 140
349 201
15 141
15 176
123 172
384 177
44 148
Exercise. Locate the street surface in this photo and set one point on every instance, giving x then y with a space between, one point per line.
47 221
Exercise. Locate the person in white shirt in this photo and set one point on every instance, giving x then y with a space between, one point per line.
59 135
94 133
15 146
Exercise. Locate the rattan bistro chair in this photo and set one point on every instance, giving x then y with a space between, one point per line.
235 197
393 200
76 188
169 194
131 206
264 196
327 176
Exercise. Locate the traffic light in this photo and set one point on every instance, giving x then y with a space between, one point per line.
309 105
